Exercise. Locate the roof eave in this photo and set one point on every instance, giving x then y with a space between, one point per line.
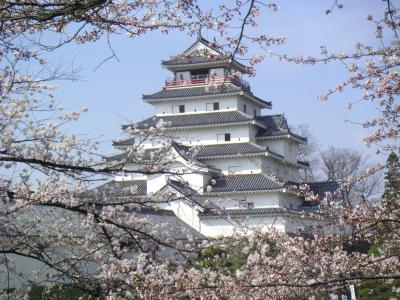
283 213
282 136
264 104
226 62
202 126
152 100
283 190
210 157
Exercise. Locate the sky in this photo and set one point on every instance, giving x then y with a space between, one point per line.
113 92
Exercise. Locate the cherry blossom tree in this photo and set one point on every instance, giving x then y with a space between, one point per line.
112 253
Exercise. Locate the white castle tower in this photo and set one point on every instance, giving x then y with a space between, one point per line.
235 164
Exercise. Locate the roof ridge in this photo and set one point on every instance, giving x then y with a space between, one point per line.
239 88
244 114
259 146
205 42
275 180
274 115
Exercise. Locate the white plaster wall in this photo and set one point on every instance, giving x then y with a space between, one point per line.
253 130
199 105
295 223
277 146
209 135
250 106
196 181
205 136
284 147
195 106
187 213
249 165
271 165
156 182
260 200
217 227
291 151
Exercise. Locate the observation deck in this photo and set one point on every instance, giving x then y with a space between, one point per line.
200 80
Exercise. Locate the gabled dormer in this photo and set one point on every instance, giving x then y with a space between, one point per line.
203 64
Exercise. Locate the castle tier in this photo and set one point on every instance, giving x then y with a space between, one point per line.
230 163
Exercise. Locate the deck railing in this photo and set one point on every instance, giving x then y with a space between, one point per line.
205 80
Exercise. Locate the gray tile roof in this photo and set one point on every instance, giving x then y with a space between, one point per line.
191 194
176 228
201 91
245 211
258 182
277 126
186 60
204 151
203 41
126 142
187 120
194 92
321 187
118 189
156 155
194 59
215 150
245 182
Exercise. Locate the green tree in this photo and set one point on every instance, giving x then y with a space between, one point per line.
392 178
385 289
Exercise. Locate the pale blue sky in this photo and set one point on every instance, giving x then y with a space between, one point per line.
113 92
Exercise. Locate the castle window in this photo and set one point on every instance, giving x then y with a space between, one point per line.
223 137
255 112
199 74
212 106
178 109
244 108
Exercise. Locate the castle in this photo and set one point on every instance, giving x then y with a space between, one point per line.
229 163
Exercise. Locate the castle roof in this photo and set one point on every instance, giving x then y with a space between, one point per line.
246 182
321 187
213 119
271 127
199 92
124 143
117 190
202 53
246 211
189 193
276 126
263 182
204 152
232 149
